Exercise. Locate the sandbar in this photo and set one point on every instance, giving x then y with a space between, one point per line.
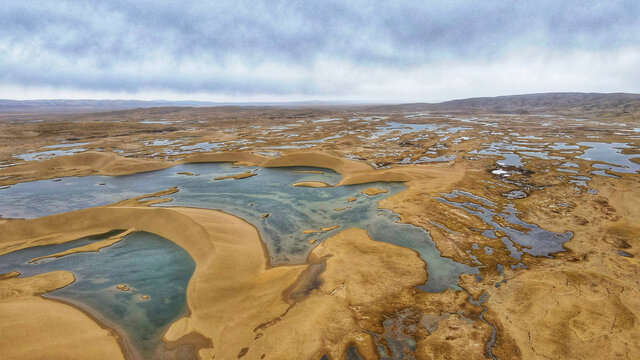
373 191
243 175
92 247
316 184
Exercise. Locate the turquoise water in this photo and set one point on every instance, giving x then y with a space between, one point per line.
148 263
157 267
291 209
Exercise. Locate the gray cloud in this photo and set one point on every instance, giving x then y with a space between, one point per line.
303 48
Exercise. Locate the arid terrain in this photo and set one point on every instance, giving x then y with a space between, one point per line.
535 196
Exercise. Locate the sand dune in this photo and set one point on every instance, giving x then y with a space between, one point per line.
235 298
35 328
97 163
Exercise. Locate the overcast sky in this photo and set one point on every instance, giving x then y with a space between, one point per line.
273 50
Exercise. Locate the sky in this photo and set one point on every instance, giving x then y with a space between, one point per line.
275 50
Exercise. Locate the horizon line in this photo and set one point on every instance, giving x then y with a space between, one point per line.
334 101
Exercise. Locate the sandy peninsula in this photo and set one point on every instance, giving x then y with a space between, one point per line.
36 328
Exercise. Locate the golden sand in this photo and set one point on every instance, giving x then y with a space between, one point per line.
101 163
561 298
329 228
219 244
208 309
35 328
124 287
236 299
94 163
316 184
92 247
243 175
373 191
324 229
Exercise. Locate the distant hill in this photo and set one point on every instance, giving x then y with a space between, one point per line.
607 105
81 106
588 103
61 105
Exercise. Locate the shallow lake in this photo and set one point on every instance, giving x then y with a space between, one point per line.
156 267
291 209
148 264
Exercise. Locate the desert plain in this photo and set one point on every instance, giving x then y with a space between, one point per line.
526 210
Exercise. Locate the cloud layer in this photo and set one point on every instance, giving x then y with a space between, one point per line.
361 50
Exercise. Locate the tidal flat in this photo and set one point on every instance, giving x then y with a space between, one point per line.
387 232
